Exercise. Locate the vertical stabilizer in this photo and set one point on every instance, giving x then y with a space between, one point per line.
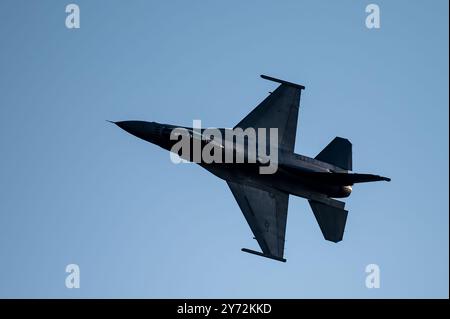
337 153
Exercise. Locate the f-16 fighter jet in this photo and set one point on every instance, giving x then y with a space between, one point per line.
262 169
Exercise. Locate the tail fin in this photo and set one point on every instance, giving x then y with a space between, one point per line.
330 219
338 153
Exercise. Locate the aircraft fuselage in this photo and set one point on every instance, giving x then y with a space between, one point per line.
292 175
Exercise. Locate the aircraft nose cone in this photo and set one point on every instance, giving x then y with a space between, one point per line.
148 131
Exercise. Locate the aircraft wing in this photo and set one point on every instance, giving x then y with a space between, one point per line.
266 213
278 110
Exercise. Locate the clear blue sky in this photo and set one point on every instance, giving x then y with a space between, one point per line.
75 189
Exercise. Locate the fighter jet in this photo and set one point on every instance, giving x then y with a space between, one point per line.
263 198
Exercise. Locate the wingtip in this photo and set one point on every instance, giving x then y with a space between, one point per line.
270 78
246 250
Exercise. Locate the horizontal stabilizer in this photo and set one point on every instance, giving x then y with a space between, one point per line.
337 153
330 219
